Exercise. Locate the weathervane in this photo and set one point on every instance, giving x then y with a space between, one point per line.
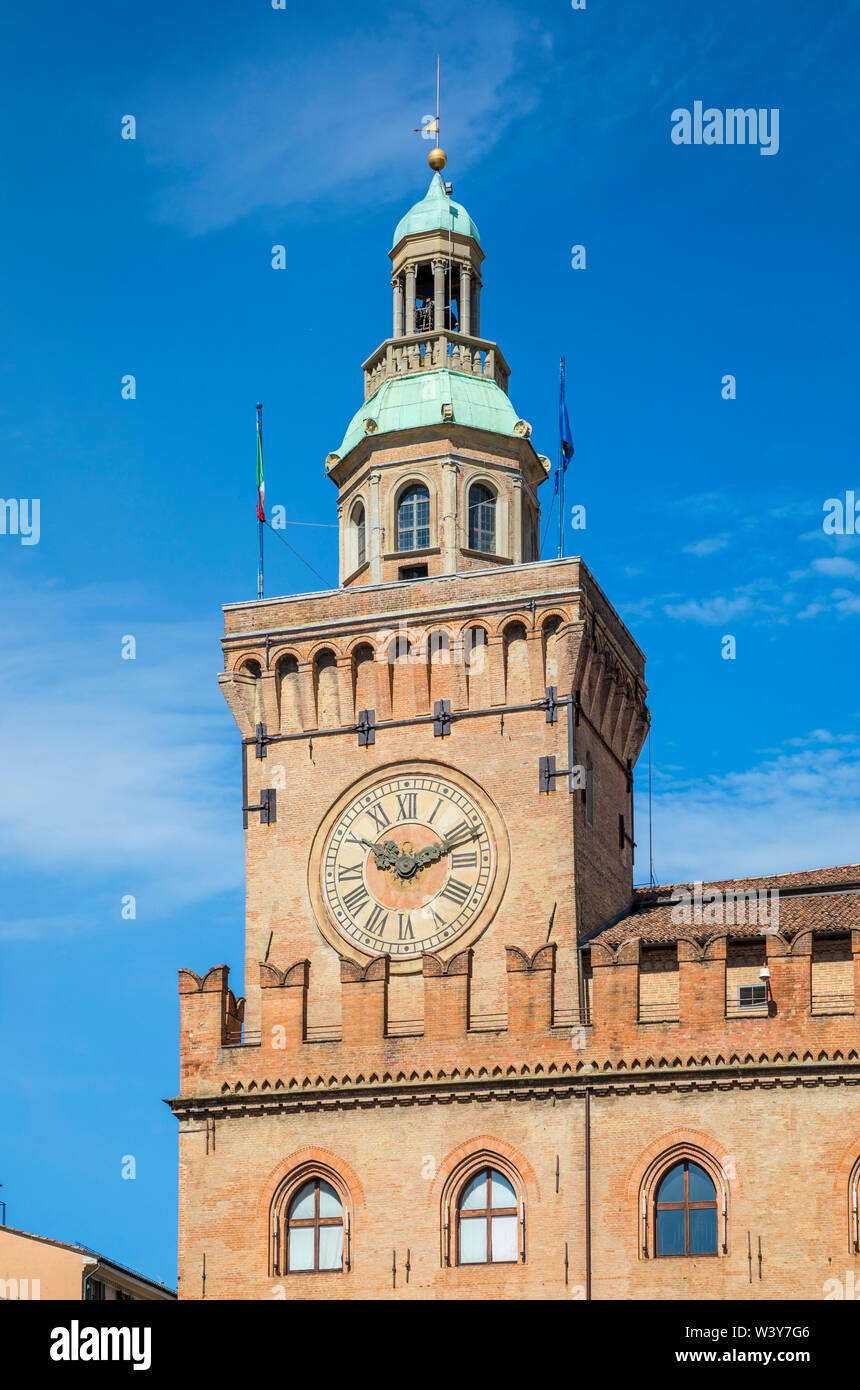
437 158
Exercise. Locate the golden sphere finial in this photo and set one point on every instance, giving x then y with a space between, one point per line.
437 159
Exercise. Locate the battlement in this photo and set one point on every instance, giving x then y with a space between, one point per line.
632 1008
212 1045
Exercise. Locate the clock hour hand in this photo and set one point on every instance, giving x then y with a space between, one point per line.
385 852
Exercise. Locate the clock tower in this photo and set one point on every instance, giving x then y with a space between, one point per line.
437 784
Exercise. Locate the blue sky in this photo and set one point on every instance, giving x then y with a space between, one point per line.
258 127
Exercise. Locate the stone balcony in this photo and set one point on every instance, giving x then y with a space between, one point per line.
430 351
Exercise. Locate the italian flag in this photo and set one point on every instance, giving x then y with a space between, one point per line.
261 482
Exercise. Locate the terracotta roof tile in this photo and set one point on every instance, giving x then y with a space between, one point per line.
807 899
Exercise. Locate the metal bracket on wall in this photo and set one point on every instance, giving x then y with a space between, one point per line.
441 718
268 806
260 741
547 770
366 727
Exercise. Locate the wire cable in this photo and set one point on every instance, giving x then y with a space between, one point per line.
301 557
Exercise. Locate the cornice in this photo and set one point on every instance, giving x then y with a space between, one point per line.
554 1081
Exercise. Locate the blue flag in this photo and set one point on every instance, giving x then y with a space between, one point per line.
564 429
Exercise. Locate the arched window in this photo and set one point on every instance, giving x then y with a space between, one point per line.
327 692
854 1207
482 519
359 543
685 1212
475 649
439 648
487 1220
517 674
314 1229
413 519
289 693
530 538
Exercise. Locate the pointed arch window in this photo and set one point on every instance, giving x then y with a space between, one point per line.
314 1229
685 1211
482 519
487 1220
413 519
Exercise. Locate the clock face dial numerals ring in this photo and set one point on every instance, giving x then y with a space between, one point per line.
407 866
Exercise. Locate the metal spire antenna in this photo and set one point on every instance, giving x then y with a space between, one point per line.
438 140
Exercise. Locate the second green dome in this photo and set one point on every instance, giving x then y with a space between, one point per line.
436 211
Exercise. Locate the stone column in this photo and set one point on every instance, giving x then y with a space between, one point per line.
376 530
438 294
397 286
410 297
476 309
450 472
516 547
465 299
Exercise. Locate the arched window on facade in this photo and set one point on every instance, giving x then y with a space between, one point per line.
685 1211
488 1218
358 539
482 519
289 693
314 1230
413 519
364 678
516 654
549 632
327 693
854 1208
530 536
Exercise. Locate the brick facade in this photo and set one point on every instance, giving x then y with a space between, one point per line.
580 1040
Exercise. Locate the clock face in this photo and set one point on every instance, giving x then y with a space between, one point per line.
408 865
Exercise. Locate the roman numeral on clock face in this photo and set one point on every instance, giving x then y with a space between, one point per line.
461 832
355 899
407 806
375 923
456 891
465 859
346 872
378 816
404 927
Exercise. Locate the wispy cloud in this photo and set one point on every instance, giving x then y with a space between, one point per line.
115 776
707 546
296 127
837 566
796 809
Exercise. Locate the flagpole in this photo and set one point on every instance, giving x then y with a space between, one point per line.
561 466
259 517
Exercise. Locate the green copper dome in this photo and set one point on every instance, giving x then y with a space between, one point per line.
436 211
407 402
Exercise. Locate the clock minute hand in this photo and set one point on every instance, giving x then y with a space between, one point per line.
449 844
